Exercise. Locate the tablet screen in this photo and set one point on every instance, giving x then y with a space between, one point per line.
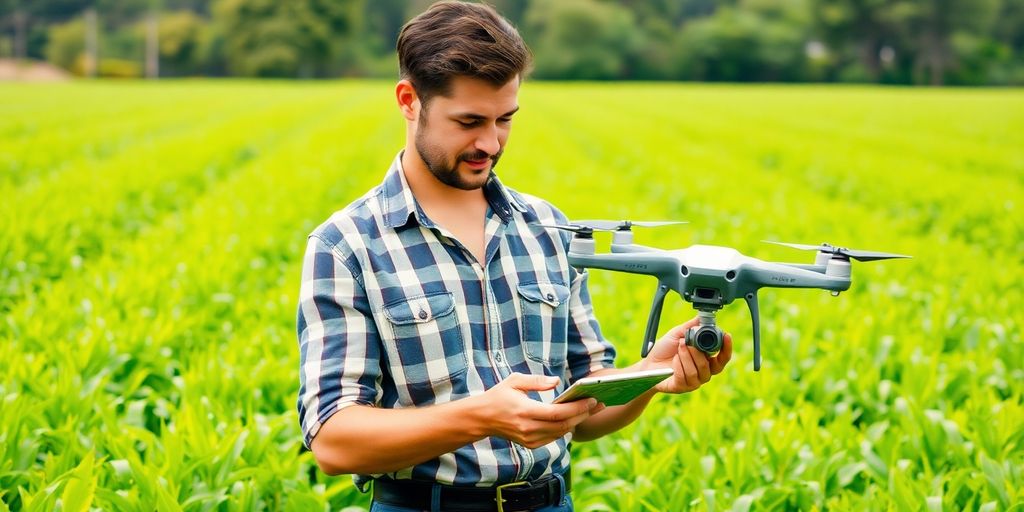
616 389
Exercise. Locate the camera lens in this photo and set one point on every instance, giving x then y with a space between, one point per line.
708 340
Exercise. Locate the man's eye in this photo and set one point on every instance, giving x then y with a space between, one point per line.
468 124
505 120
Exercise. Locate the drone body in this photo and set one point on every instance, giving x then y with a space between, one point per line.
709 277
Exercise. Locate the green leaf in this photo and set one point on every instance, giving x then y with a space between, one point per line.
165 502
709 499
209 498
81 487
296 502
996 480
107 499
847 473
873 461
742 504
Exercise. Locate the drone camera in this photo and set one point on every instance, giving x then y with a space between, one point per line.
706 336
707 340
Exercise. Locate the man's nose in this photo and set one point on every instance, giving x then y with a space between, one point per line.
488 142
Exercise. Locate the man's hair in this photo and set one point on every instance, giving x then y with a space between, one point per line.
452 39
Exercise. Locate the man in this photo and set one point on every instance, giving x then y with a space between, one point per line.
438 321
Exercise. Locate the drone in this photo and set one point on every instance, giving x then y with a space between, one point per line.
710 277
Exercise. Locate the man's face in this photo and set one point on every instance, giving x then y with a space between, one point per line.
461 137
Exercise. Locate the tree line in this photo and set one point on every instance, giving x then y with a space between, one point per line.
959 42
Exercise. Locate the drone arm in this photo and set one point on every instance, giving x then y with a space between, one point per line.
631 248
785 275
813 268
656 263
654 319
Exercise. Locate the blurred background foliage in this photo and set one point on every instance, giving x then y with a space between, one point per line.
957 42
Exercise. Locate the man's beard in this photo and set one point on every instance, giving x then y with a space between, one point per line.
448 173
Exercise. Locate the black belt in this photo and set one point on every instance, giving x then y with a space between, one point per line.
515 496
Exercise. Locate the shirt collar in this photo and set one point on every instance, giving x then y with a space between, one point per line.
399 204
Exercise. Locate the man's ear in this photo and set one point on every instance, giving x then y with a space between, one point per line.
408 100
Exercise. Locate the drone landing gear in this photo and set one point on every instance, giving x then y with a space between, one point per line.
654 319
706 336
755 318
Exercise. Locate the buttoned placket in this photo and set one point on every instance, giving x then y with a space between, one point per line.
493 231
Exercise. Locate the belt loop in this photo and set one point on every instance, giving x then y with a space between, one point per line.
435 498
561 487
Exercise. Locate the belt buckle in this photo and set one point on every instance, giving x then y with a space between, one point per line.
501 501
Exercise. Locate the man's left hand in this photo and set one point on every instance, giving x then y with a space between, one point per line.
692 367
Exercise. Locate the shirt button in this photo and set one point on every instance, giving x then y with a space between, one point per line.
423 315
497 356
550 297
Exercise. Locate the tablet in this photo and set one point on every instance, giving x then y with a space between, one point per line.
616 389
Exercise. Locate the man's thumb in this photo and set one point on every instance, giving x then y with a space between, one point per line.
531 382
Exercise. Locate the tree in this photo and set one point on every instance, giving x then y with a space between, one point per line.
297 38
925 41
67 45
754 41
180 36
28 19
930 26
580 39
857 30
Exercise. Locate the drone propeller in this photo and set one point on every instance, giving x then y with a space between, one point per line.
623 225
850 253
583 230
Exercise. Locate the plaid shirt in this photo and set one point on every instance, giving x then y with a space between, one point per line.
394 312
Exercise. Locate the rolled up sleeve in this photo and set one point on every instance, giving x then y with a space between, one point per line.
588 350
339 346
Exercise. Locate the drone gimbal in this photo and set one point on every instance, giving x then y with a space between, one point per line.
708 276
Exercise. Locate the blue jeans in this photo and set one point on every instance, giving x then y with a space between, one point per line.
564 506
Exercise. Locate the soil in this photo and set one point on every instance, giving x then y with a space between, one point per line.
31 71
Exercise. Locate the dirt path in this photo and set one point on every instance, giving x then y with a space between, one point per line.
31 71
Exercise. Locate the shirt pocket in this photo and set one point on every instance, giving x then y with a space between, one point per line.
544 321
427 348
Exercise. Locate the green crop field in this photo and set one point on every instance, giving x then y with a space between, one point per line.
151 237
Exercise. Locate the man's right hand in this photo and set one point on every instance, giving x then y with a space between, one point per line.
511 414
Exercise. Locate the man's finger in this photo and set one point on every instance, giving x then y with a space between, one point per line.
557 428
679 331
572 422
700 360
723 357
676 382
561 412
531 382
690 375
576 420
